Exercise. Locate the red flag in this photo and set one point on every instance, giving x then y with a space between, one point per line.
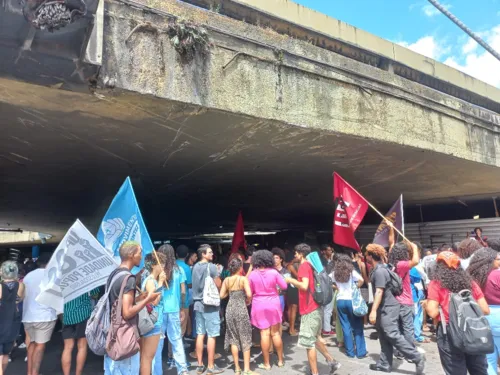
350 210
239 235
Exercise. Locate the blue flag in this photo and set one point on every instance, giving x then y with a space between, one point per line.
123 222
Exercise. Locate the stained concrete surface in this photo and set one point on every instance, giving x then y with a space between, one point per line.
296 360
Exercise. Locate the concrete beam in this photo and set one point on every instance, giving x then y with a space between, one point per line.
263 74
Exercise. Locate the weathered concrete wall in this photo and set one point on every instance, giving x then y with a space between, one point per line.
259 73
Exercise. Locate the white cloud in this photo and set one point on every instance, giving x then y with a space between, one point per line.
431 11
477 62
427 46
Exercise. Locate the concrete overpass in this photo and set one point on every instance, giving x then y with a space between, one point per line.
248 104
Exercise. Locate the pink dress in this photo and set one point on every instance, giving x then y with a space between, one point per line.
266 306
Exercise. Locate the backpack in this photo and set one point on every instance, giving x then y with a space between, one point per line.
468 329
123 335
211 296
323 291
98 324
395 283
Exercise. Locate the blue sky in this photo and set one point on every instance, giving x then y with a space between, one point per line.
420 27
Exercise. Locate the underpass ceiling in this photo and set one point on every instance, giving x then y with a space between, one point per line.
63 155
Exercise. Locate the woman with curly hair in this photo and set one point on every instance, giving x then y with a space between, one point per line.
174 296
450 277
484 269
266 307
238 329
149 342
344 276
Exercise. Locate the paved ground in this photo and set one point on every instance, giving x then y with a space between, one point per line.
295 358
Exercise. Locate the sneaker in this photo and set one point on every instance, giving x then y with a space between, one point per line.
22 346
334 366
327 333
200 369
420 366
214 370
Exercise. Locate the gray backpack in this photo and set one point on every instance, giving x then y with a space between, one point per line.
99 321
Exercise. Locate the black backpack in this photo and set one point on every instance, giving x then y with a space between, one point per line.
323 291
395 283
468 329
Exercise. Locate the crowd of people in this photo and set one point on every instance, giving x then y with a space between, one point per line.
259 294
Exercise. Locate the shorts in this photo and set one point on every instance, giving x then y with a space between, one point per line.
40 332
310 329
208 323
6 347
74 331
292 296
154 332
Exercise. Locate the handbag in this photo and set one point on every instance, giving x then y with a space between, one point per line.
147 321
359 306
211 296
123 336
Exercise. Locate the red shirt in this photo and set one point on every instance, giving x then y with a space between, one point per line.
306 300
492 288
441 295
403 270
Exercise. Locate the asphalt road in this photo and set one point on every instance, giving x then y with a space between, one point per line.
296 360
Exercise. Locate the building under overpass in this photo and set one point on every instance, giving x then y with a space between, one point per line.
246 104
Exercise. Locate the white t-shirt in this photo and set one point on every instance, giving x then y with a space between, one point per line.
345 291
464 263
34 312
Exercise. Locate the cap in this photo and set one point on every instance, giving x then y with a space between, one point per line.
450 259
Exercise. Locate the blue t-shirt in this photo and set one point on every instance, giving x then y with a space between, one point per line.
172 295
189 280
414 279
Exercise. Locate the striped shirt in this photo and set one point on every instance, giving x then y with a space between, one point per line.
79 309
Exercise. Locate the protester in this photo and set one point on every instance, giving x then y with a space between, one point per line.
182 253
266 307
11 294
174 297
327 259
466 250
292 294
39 320
207 317
360 267
75 316
226 273
310 325
238 329
344 276
405 256
279 259
149 342
131 256
385 315
484 269
450 277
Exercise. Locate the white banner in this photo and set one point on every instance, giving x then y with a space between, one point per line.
78 265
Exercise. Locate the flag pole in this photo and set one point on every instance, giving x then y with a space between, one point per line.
159 263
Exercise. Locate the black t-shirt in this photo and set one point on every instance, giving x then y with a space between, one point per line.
380 278
114 292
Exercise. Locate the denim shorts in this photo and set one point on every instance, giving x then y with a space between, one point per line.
208 323
129 366
155 331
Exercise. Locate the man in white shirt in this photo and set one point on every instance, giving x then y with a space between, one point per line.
39 320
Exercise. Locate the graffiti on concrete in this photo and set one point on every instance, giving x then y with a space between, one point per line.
53 14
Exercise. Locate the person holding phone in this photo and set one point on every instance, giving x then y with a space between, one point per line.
154 282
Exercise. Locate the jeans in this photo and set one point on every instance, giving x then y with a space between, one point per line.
391 338
419 318
129 366
327 316
455 362
494 320
352 325
172 329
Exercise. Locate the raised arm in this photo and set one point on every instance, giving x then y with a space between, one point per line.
416 254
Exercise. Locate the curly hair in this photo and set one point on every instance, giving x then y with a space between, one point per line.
303 248
467 247
377 252
170 263
481 265
262 259
453 280
400 252
494 244
150 261
234 265
343 268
